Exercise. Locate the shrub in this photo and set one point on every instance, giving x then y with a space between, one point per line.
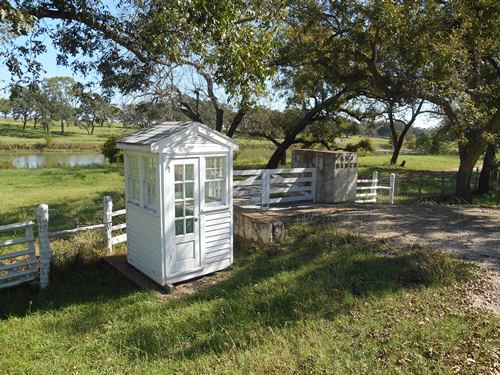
363 147
7 164
110 152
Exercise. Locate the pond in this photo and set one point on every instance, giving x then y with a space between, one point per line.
52 159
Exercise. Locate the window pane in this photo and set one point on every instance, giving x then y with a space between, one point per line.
133 184
179 227
133 162
150 193
179 189
210 163
178 173
213 191
150 169
189 189
189 225
189 172
179 209
189 208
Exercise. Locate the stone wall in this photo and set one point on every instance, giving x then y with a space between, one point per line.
337 173
255 228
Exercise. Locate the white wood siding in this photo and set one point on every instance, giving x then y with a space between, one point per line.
217 236
144 245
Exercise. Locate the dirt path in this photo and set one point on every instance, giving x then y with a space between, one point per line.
469 233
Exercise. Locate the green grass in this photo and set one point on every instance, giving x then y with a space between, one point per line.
319 302
71 193
12 136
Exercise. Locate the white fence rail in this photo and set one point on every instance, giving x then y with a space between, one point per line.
368 193
20 266
268 186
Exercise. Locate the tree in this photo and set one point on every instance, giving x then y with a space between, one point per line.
398 138
94 110
444 52
5 107
490 162
229 40
22 101
60 95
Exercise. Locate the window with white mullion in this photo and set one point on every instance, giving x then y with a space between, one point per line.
133 179
184 199
215 180
149 182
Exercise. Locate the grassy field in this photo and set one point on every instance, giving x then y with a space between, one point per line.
319 302
12 136
71 193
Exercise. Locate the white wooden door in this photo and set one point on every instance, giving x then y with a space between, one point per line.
187 255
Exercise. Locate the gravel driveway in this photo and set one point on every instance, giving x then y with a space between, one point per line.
469 233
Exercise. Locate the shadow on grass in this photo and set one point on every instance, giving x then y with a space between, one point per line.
317 272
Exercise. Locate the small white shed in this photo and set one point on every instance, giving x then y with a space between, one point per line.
178 191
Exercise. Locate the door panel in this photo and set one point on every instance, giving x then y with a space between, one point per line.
187 225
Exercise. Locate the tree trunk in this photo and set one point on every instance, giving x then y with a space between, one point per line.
62 127
395 152
25 120
469 154
468 159
279 153
235 123
483 186
34 122
219 119
308 118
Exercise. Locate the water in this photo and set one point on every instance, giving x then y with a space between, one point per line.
52 159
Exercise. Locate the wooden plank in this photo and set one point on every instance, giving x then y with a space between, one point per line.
290 189
246 183
217 243
217 252
292 170
297 198
119 212
366 195
118 226
247 172
119 239
18 281
11 227
15 242
218 232
68 232
216 216
217 237
12 275
290 179
218 258
17 254
218 226
366 201
11 266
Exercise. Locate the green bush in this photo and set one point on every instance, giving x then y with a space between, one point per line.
110 152
363 147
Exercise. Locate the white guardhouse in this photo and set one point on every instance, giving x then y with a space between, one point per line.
178 191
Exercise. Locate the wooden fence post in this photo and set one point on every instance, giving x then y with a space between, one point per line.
42 217
107 220
392 184
265 181
374 184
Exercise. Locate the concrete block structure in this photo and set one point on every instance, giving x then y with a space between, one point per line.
337 173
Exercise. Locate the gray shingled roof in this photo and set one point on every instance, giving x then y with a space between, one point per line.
155 133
